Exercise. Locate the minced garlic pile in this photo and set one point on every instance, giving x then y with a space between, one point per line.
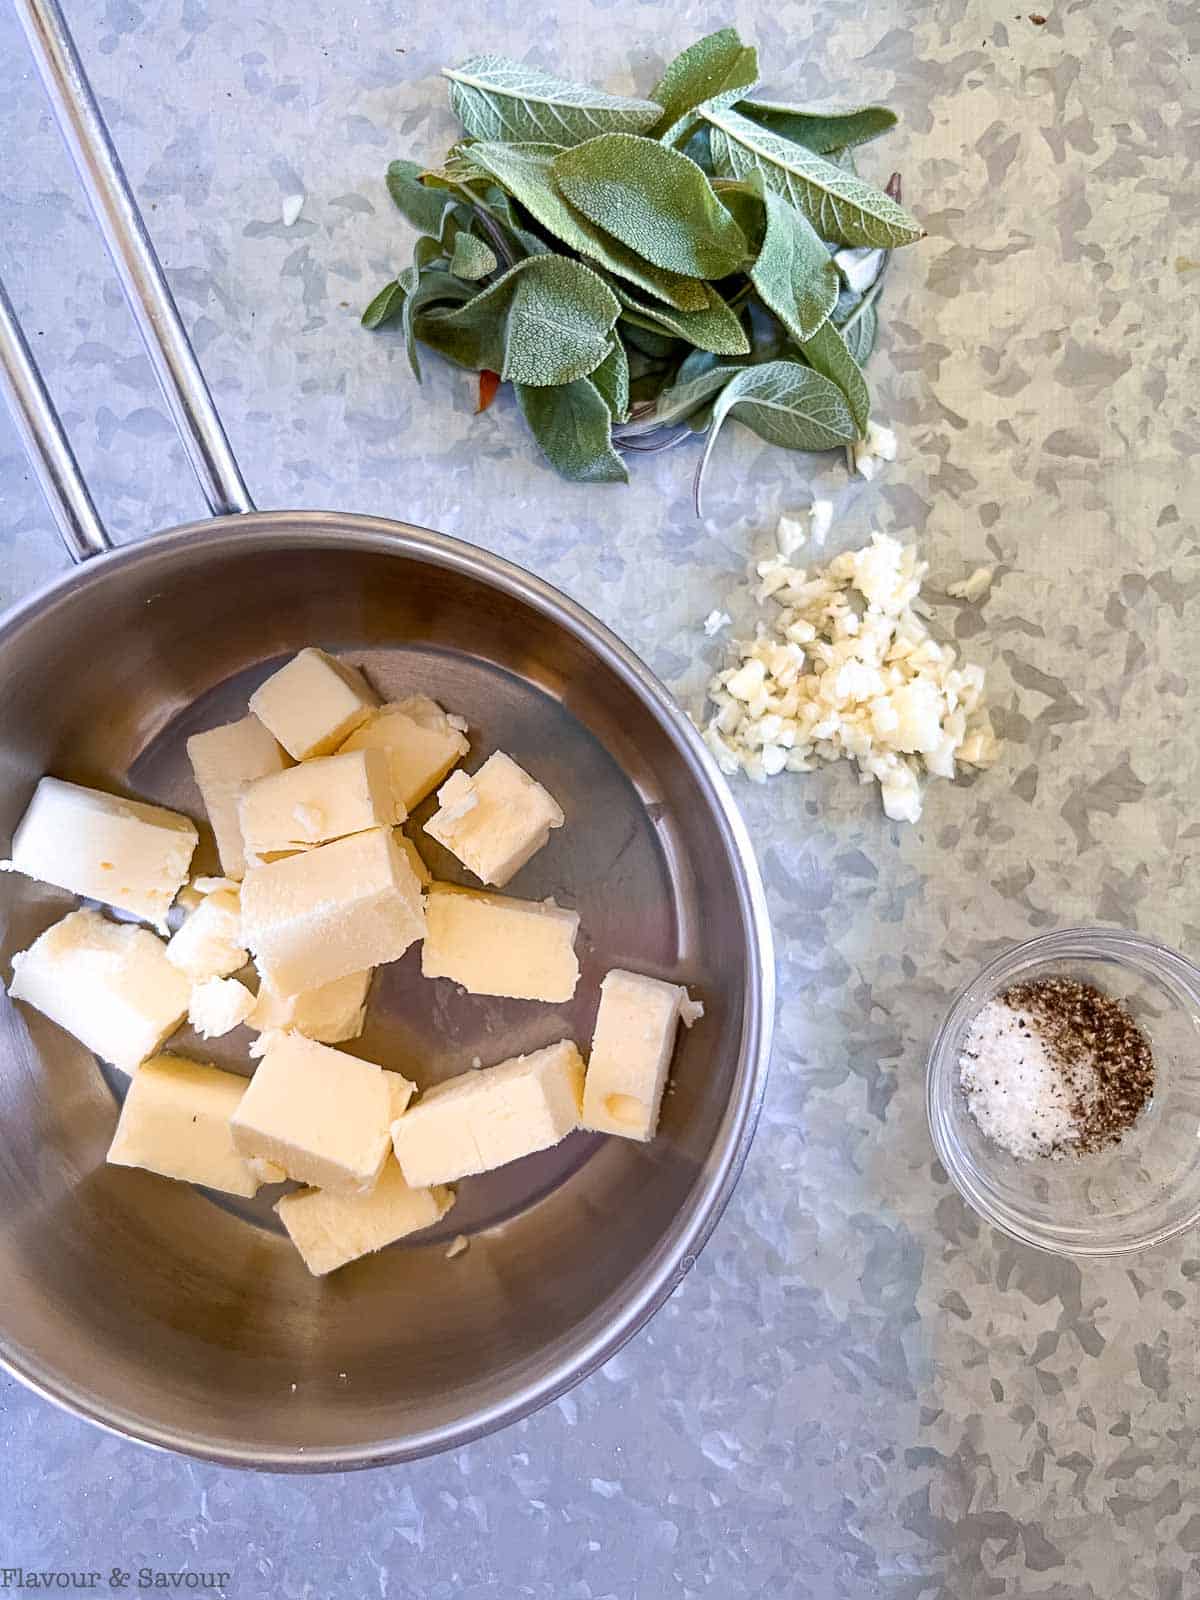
847 669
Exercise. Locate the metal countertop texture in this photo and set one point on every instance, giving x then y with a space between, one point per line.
859 1391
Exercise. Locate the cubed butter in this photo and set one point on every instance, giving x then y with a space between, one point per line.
208 942
422 742
320 1115
108 983
316 801
415 860
495 819
332 911
267 857
175 1121
492 944
218 1006
485 1119
333 1013
203 886
126 853
224 760
313 703
631 1052
331 1229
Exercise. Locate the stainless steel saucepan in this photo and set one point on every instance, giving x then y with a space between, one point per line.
184 1321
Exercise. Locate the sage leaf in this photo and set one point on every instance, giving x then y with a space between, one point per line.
547 321
696 149
839 205
402 297
699 361
433 289
743 199
495 98
653 200
860 331
573 425
794 274
769 339
611 378
525 171
471 258
785 404
678 401
717 68
716 328
822 131
387 305
768 342
494 212
455 172
646 381
658 348
423 207
414 291
826 353
495 204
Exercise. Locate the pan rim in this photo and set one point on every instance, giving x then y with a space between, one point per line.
608 1329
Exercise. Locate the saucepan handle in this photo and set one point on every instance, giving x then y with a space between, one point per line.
45 442
138 267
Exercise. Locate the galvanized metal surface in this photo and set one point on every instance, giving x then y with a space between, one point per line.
857 1391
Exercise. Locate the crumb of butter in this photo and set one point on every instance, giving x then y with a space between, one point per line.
973 587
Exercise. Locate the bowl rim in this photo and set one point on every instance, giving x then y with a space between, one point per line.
1085 939
605 1332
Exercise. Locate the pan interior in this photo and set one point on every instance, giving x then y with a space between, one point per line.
188 1316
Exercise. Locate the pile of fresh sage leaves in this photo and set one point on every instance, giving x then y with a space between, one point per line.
642 270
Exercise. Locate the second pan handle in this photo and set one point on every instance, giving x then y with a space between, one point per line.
46 444
138 267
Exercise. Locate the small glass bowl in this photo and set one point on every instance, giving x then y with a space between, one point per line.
1134 1194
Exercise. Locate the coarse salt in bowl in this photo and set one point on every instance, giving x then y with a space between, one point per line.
1130 1195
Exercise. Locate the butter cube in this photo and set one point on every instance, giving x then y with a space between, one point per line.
491 944
331 911
320 1115
421 741
175 1121
317 801
224 760
423 875
208 942
333 1013
218 1006
495 819
631 1052
331 1229
485 1119
255 859
126 853
108 983
313 703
